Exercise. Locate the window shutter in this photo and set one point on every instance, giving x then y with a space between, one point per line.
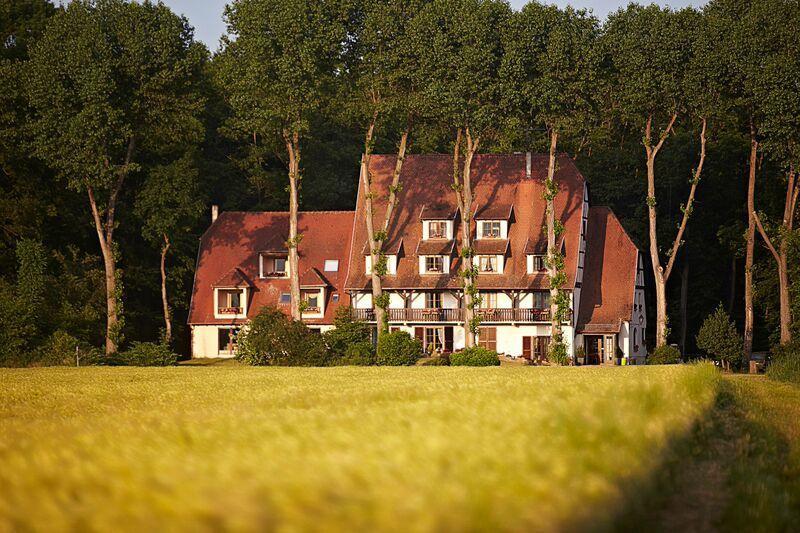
419 334
526 347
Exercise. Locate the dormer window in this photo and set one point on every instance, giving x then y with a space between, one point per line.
434 264
273 266
229 302
538 264
437 229
488 264
491 229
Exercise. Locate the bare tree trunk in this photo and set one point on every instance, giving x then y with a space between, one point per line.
684 304
293 148
781 255
750 238
164 300
462 185
552 270
105 236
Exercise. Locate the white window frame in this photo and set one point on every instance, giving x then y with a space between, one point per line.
485 261
242 302
275 273
434 258
442 225
491 224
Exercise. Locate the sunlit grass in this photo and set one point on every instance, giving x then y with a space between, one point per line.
406 449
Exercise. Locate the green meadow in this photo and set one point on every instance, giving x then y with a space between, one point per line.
394 449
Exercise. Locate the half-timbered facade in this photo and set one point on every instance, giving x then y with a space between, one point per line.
245 252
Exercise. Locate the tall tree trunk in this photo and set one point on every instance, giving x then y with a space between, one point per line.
104 225
781 255
552 270
684 304
750 250
292 140
164 299
463 190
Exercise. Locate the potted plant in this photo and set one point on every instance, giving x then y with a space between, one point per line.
580 355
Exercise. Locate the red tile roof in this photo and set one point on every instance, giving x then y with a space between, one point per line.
497 180
235 278
494 212
436 247
490 246
609 274
234 241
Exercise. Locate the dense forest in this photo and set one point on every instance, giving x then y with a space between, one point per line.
118 131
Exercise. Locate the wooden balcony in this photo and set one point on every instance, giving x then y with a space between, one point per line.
457 315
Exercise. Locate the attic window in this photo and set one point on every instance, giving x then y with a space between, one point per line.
490 229
437 229
331 265
286 298
273 267
538 264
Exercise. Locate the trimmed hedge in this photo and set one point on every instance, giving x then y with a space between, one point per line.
475 356
398 349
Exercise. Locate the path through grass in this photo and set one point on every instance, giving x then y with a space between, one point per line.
404 449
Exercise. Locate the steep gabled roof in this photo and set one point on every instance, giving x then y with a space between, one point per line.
234 278
231 248
609 274
498 180
436 247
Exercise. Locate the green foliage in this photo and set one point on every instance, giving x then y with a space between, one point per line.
359 354
557 351
347 334
442 360
664 355
785 363
272 338
398 348
62 349
145 354
475 356
719 339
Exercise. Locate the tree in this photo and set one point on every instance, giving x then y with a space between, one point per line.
650 49
108 80
776 91
385 93
460 57
169 205
552 67
279 68
719 338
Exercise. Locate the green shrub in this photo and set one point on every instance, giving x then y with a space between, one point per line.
442 360
145 354
346 334
475 356
664 355
398 349
785 364
272 338
359 354
719 340
557 353
62 349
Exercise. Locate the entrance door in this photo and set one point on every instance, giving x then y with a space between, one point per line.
535 348
595 349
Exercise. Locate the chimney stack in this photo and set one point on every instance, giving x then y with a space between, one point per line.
214 213
527 165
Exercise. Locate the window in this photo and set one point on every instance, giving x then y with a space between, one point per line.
487 263
541 300
433 300
535 348
286 298
489 300
273 267
229 301
434 263
490 229
312 301
434 339
331 265
226 340
538 263
437 229
335 297
487 338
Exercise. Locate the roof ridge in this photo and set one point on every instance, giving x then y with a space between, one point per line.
337 211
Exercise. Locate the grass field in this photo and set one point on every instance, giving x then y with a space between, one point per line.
405 449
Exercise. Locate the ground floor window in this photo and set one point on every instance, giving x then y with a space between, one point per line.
226 339
535 347
435 339
487 338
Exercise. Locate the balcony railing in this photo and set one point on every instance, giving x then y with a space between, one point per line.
457 315
229 310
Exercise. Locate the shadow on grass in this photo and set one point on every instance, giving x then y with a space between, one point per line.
731 472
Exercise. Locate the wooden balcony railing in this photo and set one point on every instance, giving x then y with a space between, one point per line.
457 315
229 310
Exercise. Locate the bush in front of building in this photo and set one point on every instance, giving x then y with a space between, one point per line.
398 348
62 349
785 363
349 343
719 339
442 360
475 356
664 355
273 339
145 354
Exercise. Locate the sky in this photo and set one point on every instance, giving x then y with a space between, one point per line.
206 15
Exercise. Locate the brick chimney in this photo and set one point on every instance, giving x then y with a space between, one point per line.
527 165
214 213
